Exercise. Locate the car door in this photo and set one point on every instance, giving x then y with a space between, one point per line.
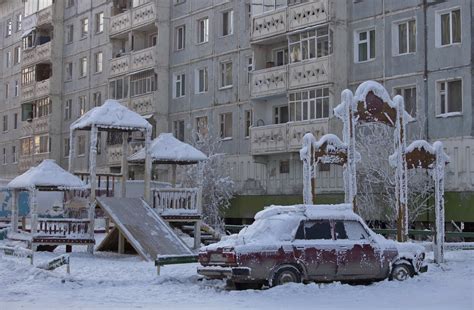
314 247
357 256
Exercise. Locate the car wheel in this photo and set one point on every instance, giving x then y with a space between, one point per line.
401 272
287 274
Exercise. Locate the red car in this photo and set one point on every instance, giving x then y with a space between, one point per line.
309 243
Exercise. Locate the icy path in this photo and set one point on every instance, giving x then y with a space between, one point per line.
112 281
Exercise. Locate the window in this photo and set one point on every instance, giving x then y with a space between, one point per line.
98 62
176 2
180 37
66 147
309 104
142 83
68 109
69 3
280 56
82 67
405 40
152 40
26 145
225 123
281 114
202 126
8 59
33 6
179 85
350 230
203 30
43 107
99 22
28 41
5 123
309 44
450 97
14 154
248 122
28 75
69 71
15 121
84 27
409 95
9 28
17 88
284 166
364 45
118 89
41 144
69 33
201 80
7 90
448 28
259 7
178 129
227 23
16 55
226 74
4 156
19 18
313 230
81 145
249 68
97 99
82 105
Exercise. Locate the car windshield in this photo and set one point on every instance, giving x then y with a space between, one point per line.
281 227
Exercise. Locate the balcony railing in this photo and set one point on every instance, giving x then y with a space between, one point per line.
37 54
310 72
142 59
119 65
35 90
142 104
36 126
269 81
136 17
114 152
294 17
45 16
282 138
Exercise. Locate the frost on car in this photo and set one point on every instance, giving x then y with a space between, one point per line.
304 243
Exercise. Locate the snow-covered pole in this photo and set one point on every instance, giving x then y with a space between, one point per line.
14 225
34 212
93 182
307 156
123 191
401 170
147 176
72 143
438 175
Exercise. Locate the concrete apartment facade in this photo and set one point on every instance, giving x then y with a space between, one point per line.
258 74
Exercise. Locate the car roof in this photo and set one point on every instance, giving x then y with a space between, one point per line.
335 211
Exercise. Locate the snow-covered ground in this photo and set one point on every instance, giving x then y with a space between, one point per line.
108 280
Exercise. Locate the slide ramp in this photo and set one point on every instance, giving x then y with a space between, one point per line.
145 230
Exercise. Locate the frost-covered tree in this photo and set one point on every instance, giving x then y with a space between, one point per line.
376 178
213 176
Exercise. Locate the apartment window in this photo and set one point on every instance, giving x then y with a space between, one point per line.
280 57
68 110
98 62
8 59
203 30
17 88
82 105
19 18
97 99
15 121
248 122
9 28
4 156
7 90
99 22
43 107
81 145
178 129
118 89
152 40
226 74
201 80
227 23
16 55
409 95
280 114
259 7
180 37
179 85
249 68
309 104
202 126
14 154
41 144
84 27
26 145
309 44
66 147
450 97
225 124
364 45
69 33
28 40
5 123
284 166
69 71
142 83
405 40
448 27
82 67
28 75
69 3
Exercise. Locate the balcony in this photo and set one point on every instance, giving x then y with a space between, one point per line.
45 16
35 90
36 126
119 65
134 18
274 23
142 104
269 82
143 59
307 73
283 138
114 152
37 54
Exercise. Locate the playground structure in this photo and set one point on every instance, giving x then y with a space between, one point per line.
371 103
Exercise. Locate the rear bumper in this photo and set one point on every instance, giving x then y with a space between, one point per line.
217 272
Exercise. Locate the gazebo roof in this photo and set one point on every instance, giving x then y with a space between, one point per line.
47 176
166 149
111 116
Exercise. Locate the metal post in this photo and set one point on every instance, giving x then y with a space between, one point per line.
124 164
147 176
93 184
197 225
72 143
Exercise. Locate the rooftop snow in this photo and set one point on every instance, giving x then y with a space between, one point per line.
339 211
168 149
47 174
111 115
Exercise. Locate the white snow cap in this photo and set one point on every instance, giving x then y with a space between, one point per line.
335 211
47 174
166 148
114 115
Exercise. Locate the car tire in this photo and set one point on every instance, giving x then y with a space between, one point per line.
401 272
286 274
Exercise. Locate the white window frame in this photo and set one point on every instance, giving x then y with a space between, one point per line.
248 122
178 78
83 67
198 79
438 97
222 126
438 33
180 44
84 27
68 109
222 72
99 22
403 88
98 62
307 102
202 29
16 55
230 26
396 34
69 34
82 105
357 42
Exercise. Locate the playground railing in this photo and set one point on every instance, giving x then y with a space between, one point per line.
175 201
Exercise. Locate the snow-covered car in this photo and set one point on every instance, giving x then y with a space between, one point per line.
304 243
